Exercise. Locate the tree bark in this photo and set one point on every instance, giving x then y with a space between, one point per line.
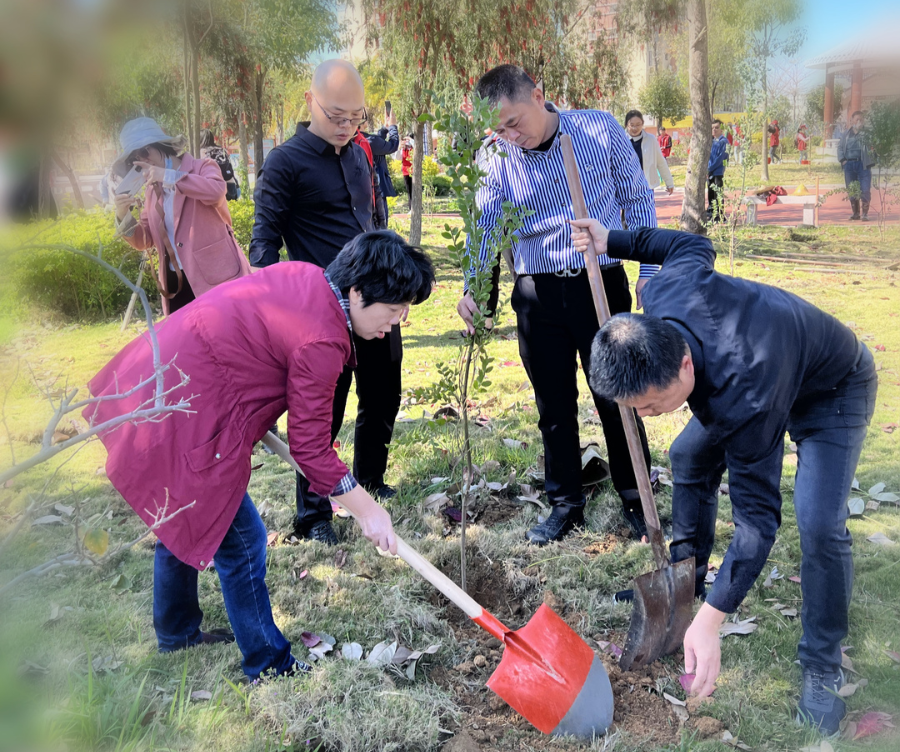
765 133
415 210
69 173
259 82
242 140
693 210
188 120
195 83
279 120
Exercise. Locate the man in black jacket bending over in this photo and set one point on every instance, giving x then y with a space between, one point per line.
752 362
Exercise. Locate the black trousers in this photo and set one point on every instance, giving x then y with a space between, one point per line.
378 364
715 193
556 321
408 180
185 296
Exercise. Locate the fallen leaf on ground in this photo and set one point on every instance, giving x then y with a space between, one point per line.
891 497
31 668
48 519
383 653
872 506
794 579
515 444
871 724
309 639
351 651
789 612
303 574
674 700
610 647
893 655
880 539
64 510
453 513
876 489
121 583
264 507
435 500
889 427
104 663
340 559
201 694
743 627
272 538
848 690
856 506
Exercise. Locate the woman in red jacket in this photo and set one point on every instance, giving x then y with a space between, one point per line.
253 348
406 165
185 214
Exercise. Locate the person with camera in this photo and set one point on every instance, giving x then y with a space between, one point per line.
184 213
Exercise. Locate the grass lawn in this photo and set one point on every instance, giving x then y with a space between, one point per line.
79 668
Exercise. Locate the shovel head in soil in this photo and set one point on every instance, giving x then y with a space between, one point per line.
551 677
663 609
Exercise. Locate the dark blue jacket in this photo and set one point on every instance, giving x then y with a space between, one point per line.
385 142
718 156
756 351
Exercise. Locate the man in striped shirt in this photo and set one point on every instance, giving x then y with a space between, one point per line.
552 296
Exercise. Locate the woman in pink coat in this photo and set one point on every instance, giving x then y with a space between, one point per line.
185 215
253 348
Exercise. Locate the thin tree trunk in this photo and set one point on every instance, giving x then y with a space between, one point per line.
279 120
693 210
195 82
415 210
69 173
188 120
242 140
765 133
259 78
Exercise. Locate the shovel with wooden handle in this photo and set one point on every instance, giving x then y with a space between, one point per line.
548 674
664 598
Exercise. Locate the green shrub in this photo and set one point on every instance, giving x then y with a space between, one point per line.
441 184
66 283
242 214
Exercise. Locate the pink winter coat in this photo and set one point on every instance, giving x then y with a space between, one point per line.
204 238
253 348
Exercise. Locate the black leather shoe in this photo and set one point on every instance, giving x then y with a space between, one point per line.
558 525
321 531
634 513
382 492
215 636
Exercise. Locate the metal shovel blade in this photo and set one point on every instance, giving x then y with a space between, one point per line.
663 609
551 677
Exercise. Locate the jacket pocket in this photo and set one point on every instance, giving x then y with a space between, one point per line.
218 262
221 448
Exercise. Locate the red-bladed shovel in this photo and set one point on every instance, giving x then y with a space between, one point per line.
664 598
548 674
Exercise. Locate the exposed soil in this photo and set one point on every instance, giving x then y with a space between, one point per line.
605 545
488 723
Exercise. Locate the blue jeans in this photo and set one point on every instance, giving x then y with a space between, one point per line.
854 172
241 565
829 430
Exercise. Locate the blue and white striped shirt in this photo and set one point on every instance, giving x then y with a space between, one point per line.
611 177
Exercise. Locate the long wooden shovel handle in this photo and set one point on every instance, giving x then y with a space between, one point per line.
444 584
629 420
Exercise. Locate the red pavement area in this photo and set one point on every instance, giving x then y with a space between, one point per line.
835 211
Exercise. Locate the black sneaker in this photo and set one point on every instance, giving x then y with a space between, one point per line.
820 706
558 525
321 531
633 511
854 218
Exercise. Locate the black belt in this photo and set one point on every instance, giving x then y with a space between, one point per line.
580 269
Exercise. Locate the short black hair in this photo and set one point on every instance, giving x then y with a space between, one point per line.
166 149
662 127
858 112
207 138
716 120
633 353
633 113
383 268
505 82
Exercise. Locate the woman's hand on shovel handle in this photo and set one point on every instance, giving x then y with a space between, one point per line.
374 521
702 653
586 230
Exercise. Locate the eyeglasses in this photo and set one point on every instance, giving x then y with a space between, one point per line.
141 155
339 121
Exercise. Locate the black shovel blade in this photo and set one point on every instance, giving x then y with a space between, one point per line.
663 609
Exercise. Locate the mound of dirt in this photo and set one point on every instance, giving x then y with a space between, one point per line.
640 710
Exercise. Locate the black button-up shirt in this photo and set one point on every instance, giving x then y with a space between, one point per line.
757 350
310 199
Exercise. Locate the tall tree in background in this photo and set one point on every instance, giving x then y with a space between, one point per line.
693 211
664 98
443 46
772 34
